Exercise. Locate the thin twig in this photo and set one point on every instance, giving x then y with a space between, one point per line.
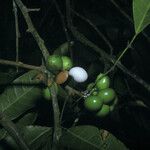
68 14
33 9
64 28
85 41
17 31
122 54
12 130
134 76
32 29
21 65
63 108
45 16
128 17
96 29
73 91
79 36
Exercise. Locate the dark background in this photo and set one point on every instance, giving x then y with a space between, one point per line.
132 124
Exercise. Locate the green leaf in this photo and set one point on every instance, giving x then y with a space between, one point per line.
26 119
21 96
112 143
37 137
82 137
2 133
89 138
141 14
5 78
63 48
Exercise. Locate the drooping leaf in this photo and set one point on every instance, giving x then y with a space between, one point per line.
63 48
89 138
20 96
36 137
27 119
5 78
82 137
111 143
141 14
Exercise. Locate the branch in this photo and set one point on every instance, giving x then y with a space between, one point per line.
21 65
32 29
80 37
33 9
12 130
96 29
17 31
40 42
57 126
134 76
85 41
73 91
64 27
128 17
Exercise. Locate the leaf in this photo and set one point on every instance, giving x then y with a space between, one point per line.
112 143
82 137
5 78
27 119
141 14
89 138
63 48
21 96
2 133
36 137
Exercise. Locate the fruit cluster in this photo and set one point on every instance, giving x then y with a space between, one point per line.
57 63
102 98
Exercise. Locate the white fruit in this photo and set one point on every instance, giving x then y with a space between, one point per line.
78 74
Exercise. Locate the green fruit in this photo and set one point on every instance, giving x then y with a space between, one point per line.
67 63
54 62
104 111
46 94
107 95
102 83
93 103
